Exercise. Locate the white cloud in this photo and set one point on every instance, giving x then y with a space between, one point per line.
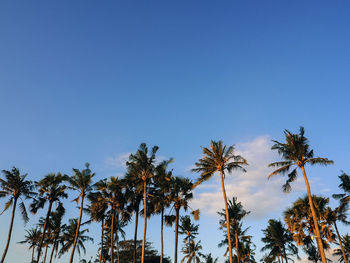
118 161
257 194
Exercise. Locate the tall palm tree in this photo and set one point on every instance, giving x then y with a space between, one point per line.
191 231
15 186
32 238
296 152
80 181
236 213
159 195
278 240
69 236
338 214
97 210
192 252
56 227
219 158
50 189
179 196
299 220
141 166
346 244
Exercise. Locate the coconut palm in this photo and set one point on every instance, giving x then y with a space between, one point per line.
179 196
300 222
50 189
69 236
191 231
15 187
97 210
32 238
219 158
338 214
344 198
344 257
141 166
278 240
296 152
80 181
192 251
236 213
209 258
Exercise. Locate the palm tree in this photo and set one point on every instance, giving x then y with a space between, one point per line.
32 238
81 181
219 158
296 152
334 215
191 231
278 240
209 258
159 195
69 237
191 251
15 186
97 210
141 167
51 189
56 227
179 195
344 257
344 198
300 222
236 214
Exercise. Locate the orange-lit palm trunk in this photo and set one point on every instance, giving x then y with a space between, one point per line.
340 243
227 216
44 230
145 220
10 231
237 247
177 209
112 236
78 227
314 217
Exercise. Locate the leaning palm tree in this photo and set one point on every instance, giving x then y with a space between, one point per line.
296 152
81 181
344 257
15 186
219 158
338 214
51 189
141 167
32 238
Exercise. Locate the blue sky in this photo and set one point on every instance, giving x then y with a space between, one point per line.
89 81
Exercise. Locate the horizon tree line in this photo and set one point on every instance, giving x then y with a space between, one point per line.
112 202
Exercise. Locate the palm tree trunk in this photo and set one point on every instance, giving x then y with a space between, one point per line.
189 247
279 260
10 231
340 242
53 249
117 238
237 247
47 246
112 236
44 230
285 254
161 236
135 235
227 215
102 224
176 232
33 254
78 227
314 216
145 220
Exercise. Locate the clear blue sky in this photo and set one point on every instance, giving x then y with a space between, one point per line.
90 80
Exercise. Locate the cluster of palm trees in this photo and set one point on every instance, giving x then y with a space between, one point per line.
150 188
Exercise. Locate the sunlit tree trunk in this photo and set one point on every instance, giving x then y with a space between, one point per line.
227 215
340 243
44 230
314 217
177 209
78 227
145 220
112 236
47 246
10 230
237 246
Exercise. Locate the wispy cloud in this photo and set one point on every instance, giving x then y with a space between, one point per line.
118 161
257 194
